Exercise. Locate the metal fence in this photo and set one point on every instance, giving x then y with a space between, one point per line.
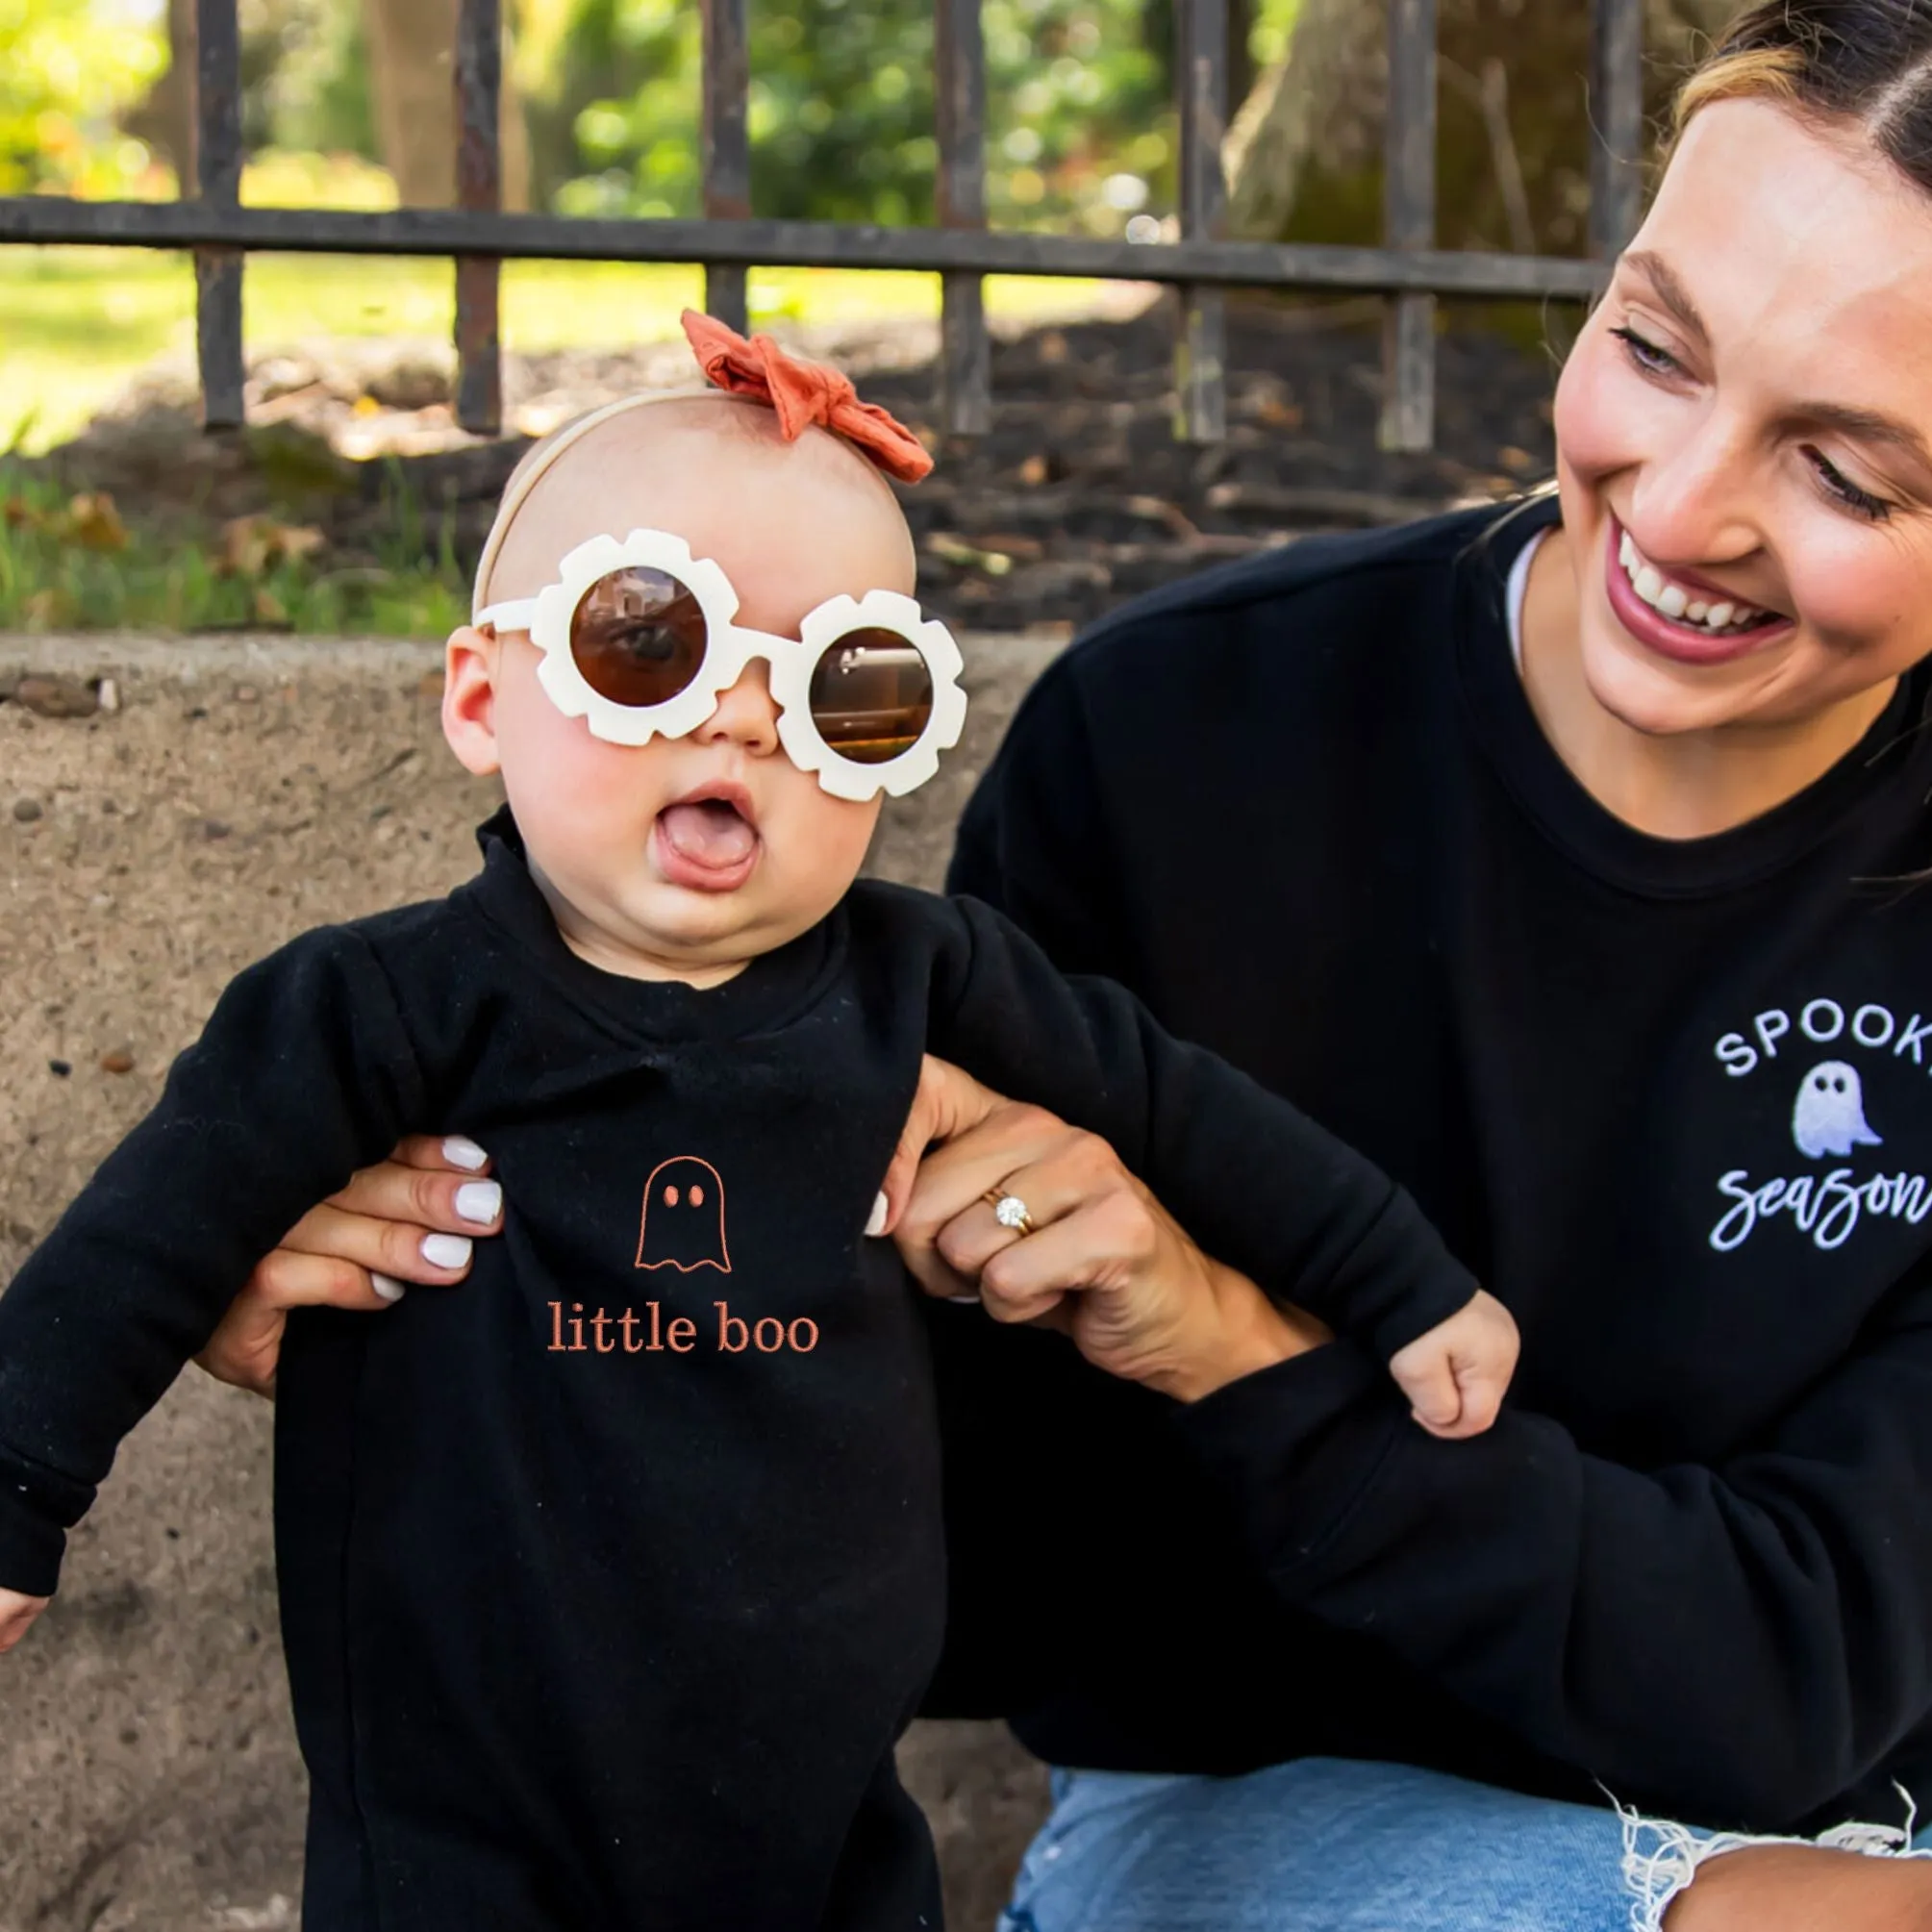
1201 264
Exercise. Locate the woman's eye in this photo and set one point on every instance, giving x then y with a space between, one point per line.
1861 502
1645 354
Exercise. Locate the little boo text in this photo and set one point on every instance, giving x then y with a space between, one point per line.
643 1331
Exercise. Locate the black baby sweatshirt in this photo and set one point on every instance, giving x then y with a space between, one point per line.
610 1578
1672 1101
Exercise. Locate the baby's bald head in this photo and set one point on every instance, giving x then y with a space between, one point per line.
792 523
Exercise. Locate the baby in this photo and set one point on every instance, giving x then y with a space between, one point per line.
609 1583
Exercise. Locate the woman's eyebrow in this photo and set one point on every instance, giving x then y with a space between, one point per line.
1670 291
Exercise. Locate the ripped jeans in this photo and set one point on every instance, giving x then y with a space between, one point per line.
1325 1845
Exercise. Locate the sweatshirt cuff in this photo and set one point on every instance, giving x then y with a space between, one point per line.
1293 1447
1400 1283
31 1548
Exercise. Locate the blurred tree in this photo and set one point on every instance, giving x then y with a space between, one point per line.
1512 154
68 69
412 51
841 110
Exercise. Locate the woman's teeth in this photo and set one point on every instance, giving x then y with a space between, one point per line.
1660 595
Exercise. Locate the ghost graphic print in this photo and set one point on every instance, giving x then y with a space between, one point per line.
683 1224
1829 1116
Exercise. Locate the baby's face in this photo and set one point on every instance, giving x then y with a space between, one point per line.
685 857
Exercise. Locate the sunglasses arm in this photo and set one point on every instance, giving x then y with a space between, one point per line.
516 616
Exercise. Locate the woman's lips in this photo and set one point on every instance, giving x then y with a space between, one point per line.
707 843
1660 633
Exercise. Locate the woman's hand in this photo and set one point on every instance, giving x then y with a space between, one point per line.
1103 1260
410 1218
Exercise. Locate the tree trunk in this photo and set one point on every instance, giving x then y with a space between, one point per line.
164 119
1512 158
411 66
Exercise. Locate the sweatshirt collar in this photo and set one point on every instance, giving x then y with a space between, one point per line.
770 989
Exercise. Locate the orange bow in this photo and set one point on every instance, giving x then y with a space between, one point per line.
802 393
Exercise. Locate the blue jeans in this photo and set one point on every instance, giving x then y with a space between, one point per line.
1324 1845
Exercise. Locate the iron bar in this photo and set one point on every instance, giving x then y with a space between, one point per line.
1409 222
1200 344
479 189
725 148
966 353
42 218
1617 124
216 174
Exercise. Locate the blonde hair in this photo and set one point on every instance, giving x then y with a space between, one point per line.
1861 63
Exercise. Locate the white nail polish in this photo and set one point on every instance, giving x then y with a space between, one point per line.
445 1250
967 1301
460 1151
479 1201
387 1285
875 1223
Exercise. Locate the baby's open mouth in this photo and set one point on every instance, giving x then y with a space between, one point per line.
708 838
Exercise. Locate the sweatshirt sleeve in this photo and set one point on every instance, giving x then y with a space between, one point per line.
1737 1643
303 1073
1254 1181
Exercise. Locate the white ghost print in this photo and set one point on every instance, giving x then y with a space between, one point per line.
1829 1116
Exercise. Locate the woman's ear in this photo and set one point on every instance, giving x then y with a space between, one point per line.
470 698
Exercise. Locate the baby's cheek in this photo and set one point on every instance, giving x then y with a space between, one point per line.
819 843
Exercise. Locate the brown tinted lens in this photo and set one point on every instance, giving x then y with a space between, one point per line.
637 636
872 695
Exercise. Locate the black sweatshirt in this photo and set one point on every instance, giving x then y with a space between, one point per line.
608 1580
1670 1102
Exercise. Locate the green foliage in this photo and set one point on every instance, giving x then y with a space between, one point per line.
68 68
304 76
842 110
59 570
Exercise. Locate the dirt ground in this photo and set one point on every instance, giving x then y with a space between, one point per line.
242 790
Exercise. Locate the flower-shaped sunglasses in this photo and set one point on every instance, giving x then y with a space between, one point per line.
639 638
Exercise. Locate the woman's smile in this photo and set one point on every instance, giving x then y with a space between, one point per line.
1688 619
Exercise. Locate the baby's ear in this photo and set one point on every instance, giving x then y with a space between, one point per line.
470 698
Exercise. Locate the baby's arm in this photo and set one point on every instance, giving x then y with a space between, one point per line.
1255 1182
303 1074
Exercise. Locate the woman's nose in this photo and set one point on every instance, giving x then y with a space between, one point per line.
1695 498
746 715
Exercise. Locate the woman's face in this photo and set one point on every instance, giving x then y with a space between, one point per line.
1747 421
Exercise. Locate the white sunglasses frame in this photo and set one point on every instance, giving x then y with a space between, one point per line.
729 647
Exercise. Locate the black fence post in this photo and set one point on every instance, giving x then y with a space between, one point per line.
1200 344
1617 124
479 185
1409 216
217 181
725 148
965 354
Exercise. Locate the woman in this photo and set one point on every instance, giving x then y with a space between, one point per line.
1563 863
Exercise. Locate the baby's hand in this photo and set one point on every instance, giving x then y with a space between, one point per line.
16 1611
1454 1375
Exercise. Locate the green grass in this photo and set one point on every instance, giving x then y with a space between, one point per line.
62 571
76 323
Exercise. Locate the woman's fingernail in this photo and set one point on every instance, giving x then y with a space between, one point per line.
387 1285
479 1200
460 1151
971 1301
446 1251
875 1223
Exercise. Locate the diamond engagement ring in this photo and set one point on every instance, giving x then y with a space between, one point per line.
1009 1210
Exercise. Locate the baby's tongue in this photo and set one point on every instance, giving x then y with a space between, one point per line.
707 833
